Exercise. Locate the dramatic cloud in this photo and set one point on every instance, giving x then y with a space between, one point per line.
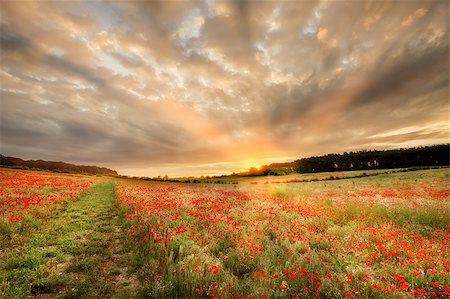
208 87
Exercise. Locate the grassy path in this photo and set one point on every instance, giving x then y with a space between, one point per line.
78 254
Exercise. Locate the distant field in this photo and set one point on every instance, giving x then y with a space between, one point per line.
297 177
383 236
306 177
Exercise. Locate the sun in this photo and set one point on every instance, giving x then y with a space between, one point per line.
247 164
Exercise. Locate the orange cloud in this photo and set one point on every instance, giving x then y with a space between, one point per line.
322 36
412 18
186 117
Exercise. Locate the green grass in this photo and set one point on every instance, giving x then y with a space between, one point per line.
72 255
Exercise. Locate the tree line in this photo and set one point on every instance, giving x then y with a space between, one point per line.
435 155
54 166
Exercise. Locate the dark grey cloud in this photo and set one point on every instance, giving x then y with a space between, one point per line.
409 75
17 49
70 67
10 40
59 130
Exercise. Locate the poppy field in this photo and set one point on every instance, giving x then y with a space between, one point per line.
27 195
383 236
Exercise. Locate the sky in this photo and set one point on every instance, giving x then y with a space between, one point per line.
210 87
